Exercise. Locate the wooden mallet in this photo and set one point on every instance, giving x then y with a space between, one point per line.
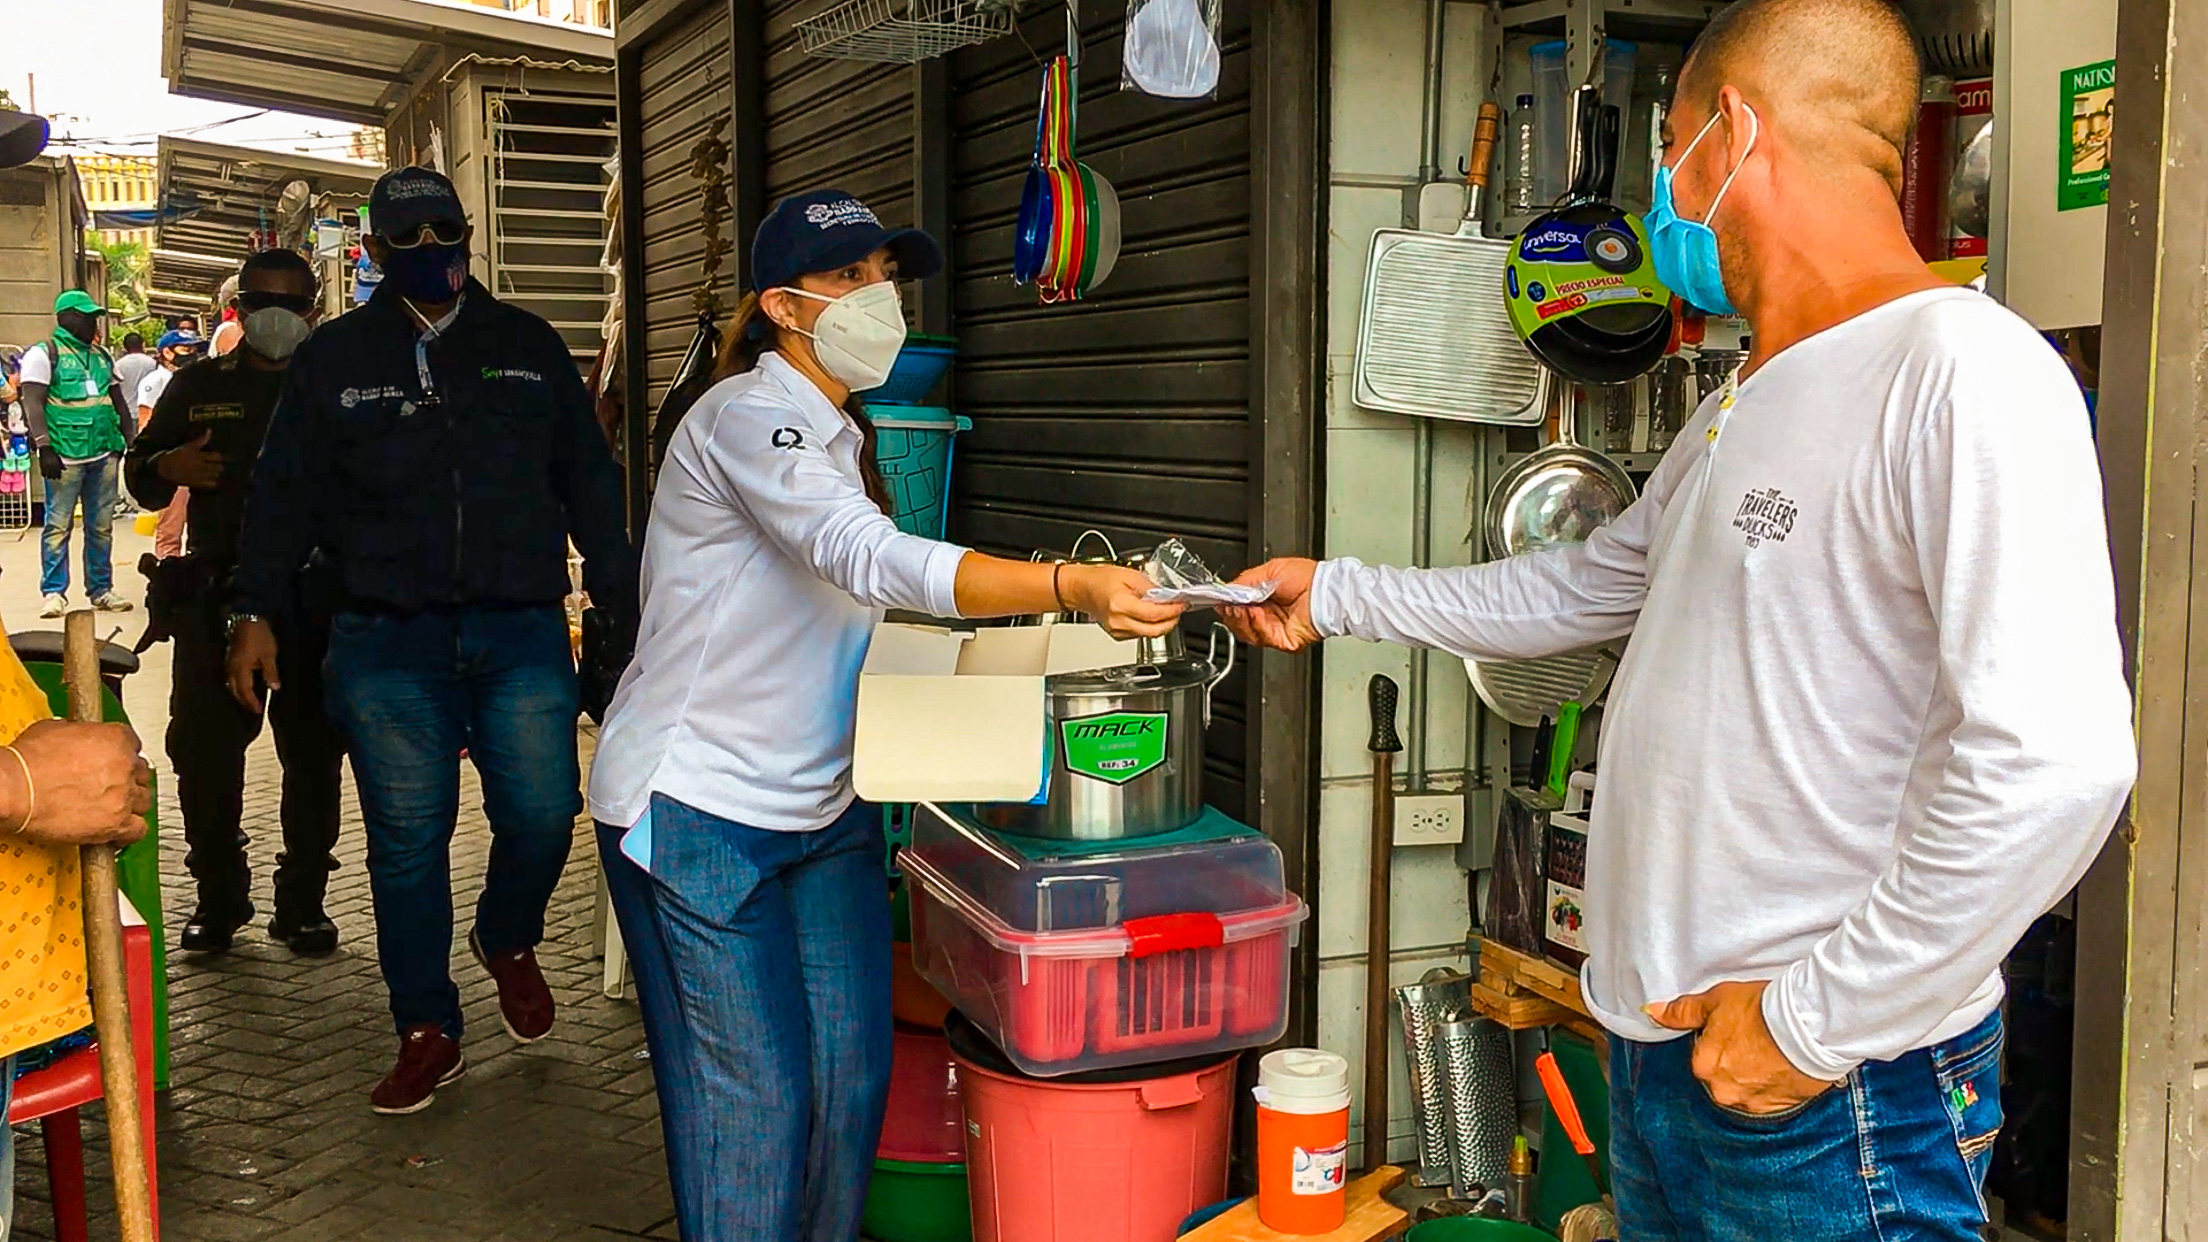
103 941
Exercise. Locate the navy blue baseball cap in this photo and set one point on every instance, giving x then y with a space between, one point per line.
826 229
405 199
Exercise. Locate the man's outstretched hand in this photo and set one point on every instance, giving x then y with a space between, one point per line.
1734 1054
1284 621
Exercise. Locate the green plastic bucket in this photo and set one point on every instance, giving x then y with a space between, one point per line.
1477 1229
908 1202
912 447
1563 1182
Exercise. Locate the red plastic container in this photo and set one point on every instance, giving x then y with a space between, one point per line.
1075 1161
1147 989
924 1124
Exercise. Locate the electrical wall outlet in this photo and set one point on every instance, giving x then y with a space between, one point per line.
1429 818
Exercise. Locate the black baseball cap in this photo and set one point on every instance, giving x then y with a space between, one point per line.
405 199
826 229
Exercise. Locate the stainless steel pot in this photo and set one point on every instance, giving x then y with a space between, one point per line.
1126 751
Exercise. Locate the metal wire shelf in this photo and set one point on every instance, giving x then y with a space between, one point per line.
901 32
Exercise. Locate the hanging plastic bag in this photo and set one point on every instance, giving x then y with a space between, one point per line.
1172 49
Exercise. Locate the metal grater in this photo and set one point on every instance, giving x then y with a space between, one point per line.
1443 997
1483 1103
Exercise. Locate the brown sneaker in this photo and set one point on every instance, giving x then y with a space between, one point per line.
524 998
428 1059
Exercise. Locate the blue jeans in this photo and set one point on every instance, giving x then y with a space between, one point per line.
636 910
409 693
1897 1152
773 1040
94 484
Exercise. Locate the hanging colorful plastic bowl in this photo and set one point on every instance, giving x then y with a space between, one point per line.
1031 235
1103 228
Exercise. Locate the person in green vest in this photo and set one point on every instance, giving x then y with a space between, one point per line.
80 424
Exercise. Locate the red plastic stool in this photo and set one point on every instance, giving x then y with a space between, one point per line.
52 1096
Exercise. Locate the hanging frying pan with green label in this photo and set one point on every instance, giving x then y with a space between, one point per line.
1581 283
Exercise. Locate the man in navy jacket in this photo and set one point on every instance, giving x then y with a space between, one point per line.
439 448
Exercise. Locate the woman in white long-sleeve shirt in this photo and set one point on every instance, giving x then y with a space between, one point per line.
747 880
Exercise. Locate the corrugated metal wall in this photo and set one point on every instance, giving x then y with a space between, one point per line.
845 124
1129 412
684 93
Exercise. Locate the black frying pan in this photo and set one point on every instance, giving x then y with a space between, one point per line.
1613 342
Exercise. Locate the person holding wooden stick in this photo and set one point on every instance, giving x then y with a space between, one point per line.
63 786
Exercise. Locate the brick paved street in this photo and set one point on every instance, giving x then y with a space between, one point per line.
266 1133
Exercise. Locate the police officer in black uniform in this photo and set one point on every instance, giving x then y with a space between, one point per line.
204 435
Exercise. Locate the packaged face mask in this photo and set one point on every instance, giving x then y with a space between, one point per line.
1182 577
1172 48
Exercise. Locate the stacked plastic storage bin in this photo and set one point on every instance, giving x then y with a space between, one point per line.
918 1192
912 440
1103 991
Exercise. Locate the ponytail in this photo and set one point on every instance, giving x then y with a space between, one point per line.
750 333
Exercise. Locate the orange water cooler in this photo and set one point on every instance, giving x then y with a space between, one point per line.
1302 1140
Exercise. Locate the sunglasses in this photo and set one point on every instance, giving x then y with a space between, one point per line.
442 232
251 300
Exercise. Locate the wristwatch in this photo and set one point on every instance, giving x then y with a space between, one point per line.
234 620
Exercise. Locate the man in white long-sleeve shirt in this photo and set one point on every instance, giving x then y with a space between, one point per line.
1873 719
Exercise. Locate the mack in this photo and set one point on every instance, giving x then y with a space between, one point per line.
1116 728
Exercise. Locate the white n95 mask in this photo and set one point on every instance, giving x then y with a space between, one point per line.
273 332
858 337
1170 51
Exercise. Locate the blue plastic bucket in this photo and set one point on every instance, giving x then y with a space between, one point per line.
912 446
920 366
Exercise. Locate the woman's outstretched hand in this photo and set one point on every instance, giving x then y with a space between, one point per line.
1112 596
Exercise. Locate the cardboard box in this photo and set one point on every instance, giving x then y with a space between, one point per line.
950 716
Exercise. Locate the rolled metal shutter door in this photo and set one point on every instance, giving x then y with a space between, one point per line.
1128 412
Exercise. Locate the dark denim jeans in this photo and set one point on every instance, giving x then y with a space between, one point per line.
767 1013
409 693
1896 1152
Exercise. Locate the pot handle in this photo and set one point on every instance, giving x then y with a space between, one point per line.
1218 671
1178 1092
1074 553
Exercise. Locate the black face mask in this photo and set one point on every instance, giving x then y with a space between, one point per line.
86 328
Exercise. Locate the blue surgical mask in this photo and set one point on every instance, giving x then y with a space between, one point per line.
1686 251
